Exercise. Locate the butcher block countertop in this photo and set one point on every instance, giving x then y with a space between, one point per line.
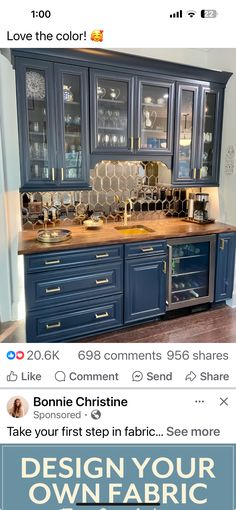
82 238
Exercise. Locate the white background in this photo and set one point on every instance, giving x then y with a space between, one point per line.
131 24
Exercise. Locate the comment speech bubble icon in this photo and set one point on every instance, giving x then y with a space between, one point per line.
60 376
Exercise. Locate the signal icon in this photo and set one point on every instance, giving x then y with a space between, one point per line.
178 14
191 13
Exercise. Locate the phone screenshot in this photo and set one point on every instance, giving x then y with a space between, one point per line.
117 256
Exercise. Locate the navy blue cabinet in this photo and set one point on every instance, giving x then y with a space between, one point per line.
72 294
145 282
130 115
199 114
225 261
52 101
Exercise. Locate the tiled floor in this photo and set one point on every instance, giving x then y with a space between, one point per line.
215 325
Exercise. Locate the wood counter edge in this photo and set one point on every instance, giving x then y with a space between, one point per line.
106 236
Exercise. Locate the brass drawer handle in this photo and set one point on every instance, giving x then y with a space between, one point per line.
53 174
131 143
164 266
222 244
49 262
52 326
101 282
57 289
102 255
194 173
144 250
62 174
139 142
101 315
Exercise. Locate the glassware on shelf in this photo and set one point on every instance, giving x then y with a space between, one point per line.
67 94
114 93
101 92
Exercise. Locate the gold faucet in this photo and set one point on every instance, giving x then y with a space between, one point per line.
126 215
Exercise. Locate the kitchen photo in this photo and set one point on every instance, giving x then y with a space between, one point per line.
117 195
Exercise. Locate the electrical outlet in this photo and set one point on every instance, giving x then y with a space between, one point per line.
230 160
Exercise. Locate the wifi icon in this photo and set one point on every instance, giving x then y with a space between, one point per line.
191 13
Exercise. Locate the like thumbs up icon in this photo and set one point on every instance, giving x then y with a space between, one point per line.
12 377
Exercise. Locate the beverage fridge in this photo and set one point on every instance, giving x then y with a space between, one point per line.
191 271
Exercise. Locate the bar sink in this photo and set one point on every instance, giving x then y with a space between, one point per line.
133 229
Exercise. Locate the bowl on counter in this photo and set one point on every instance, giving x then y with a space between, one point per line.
93 224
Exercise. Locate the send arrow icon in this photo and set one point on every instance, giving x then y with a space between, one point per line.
190 377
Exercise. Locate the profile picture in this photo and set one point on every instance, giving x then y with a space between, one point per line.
17 407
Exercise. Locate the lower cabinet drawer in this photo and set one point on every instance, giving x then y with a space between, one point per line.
145 249
76 284
74 321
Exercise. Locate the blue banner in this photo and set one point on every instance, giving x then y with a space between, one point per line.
138 477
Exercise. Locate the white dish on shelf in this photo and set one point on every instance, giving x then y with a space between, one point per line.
35 85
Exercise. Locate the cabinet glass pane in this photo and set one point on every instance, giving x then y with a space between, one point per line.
190 271
37 124
154 122
72 127
112 112
186 133
208 135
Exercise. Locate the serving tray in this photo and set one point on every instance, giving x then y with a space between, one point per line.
53 235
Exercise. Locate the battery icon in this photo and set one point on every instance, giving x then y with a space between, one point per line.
208 13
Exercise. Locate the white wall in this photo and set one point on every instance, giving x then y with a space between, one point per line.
194 57
9 194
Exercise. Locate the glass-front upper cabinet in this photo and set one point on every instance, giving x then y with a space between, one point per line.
199 116
53 121
36 124
185 166
111 112
155 117
212 112
72 116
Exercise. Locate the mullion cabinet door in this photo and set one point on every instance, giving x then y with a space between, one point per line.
111 115
71 92
186 135
154 109
210 135
36 108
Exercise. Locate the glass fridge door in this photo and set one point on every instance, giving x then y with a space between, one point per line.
191 272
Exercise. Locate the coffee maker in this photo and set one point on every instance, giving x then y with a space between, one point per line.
198 208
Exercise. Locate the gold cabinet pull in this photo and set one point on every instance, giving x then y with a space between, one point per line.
194 173
164 266
56 289
50 262
101 315
131 143
144 250
52 326
53 174
139 142
222 244
101 282
62 174
102 255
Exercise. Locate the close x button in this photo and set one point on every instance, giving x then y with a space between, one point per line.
224 401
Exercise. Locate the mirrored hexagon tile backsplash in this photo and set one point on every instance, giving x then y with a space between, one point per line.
147 184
